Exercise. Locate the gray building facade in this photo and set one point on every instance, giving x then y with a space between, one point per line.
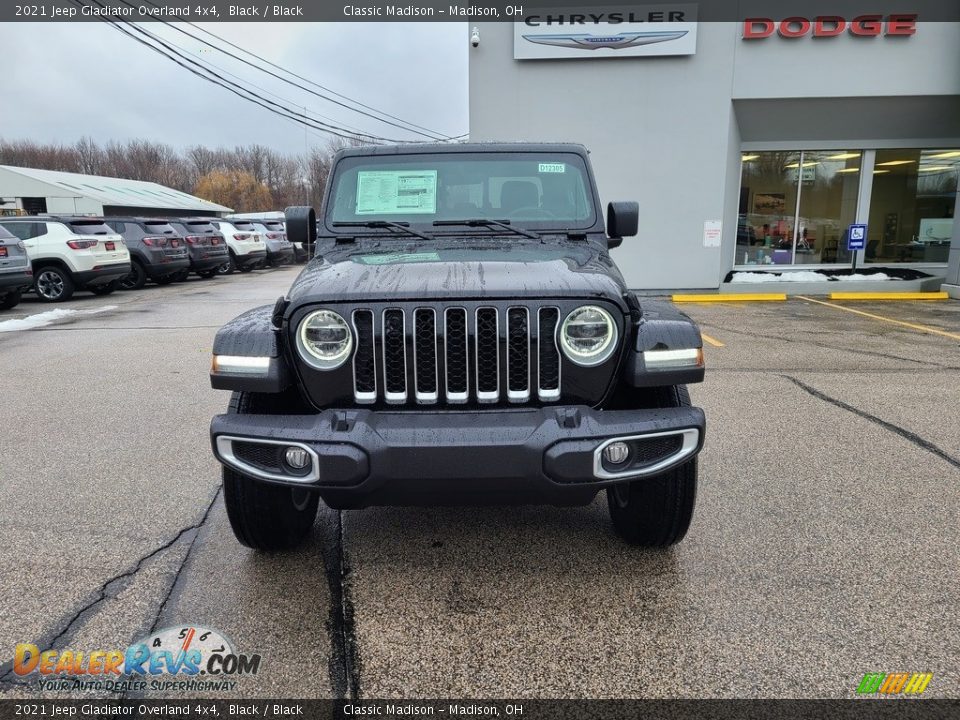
783 133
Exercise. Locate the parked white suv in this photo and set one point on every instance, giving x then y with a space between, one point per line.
70 253
247 249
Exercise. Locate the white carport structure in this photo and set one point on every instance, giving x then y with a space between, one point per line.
49 191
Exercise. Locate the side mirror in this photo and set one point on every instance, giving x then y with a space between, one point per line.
302 226
623 218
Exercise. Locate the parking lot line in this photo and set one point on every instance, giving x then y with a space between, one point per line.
889 296
913 326
729 297
710 340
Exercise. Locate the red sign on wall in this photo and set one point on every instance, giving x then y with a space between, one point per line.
830 26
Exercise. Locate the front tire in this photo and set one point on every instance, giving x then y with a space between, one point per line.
53 284
136 279
656 511
230 266
104 289
264 516
10 300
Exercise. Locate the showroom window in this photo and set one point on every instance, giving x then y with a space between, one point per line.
912 205
796 205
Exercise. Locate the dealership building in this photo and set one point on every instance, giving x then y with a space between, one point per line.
750 146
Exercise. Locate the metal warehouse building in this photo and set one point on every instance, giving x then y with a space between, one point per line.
34 192
749 145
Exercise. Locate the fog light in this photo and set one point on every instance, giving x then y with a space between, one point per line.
616 453
297 458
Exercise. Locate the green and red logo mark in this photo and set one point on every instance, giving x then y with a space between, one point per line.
894 683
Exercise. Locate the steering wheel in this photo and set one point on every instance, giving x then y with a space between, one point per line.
531 209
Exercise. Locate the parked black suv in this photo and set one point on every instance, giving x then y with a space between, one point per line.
206 245
157 252
462 336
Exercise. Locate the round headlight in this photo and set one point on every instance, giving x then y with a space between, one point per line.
588 335
324 340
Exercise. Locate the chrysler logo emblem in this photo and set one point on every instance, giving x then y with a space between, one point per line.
611 42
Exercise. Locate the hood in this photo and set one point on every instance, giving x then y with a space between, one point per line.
402 271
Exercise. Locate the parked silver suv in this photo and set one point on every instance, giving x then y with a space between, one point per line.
16 276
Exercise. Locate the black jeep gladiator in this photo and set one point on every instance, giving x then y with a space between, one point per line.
461 336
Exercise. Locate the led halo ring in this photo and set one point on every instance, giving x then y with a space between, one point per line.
594 356
309 348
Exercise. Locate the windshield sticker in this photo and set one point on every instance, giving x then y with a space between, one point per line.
553 167
391 258
388 192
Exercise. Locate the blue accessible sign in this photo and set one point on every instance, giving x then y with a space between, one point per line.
857 237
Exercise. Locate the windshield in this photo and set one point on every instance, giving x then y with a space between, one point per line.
90 227
198 228
527 189
160 227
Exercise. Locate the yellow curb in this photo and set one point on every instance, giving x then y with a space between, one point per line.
731 297
889 296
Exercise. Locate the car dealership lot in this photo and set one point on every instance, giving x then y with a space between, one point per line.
824 546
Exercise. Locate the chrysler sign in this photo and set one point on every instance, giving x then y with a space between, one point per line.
611 32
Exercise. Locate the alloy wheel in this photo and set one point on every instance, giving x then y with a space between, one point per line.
49 284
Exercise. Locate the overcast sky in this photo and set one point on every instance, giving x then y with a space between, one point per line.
64 81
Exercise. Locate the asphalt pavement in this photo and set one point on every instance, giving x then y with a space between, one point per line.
825 543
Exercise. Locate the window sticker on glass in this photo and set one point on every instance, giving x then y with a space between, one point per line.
393 258
553 167
388 192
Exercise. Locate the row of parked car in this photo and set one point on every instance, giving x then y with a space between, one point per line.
56 255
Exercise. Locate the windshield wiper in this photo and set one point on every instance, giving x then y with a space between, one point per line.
486 222
405 227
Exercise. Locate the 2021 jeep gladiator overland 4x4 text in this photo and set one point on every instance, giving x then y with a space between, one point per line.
462 335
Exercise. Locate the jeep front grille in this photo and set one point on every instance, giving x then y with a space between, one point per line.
456 355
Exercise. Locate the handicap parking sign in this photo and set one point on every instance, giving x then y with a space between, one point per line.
857 237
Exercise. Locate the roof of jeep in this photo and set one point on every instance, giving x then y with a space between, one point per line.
478 147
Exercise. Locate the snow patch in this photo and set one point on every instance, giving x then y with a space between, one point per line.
805 276
763 277
862 278
48 318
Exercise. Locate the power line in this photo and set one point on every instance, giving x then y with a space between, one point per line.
427 132
236 89
180 51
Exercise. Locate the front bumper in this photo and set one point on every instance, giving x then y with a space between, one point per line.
255 257
548 455
205 259
101 275
12 280
167 267
281 256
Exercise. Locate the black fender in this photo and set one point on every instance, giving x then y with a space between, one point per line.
661 326
252 334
